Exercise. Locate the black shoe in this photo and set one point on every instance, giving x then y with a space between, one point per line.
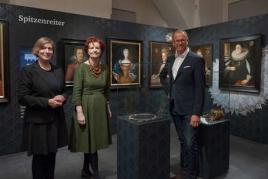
86 174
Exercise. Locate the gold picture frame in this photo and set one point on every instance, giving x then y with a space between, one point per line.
125 62
72 53
159 52
240 63
4 83
206 52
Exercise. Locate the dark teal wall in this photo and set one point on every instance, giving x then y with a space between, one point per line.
123 101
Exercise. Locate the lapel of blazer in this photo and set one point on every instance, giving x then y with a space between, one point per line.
171 62
182 65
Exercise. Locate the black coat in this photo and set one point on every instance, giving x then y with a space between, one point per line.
34 93
186 92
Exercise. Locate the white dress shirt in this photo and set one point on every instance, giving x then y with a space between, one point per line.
178 61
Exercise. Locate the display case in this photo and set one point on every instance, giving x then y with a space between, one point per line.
143 147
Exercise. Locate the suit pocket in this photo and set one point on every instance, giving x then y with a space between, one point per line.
186 67
187 70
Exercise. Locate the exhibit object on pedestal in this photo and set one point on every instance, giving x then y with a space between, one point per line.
143 147
214 148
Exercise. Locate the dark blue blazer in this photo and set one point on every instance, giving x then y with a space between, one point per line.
186 91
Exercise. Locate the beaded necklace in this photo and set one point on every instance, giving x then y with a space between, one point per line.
95 70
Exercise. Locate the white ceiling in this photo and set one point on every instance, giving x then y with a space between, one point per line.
187 14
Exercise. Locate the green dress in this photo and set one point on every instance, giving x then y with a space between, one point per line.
92 93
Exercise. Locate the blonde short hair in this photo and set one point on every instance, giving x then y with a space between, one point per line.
40 43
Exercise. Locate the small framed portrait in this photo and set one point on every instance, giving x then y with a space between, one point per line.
159 52
240 64
73 54
125 58
206 52
4 78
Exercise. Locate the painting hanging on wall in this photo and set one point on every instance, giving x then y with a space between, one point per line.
125 57
240 64
159 51
206 52
72 52
4 83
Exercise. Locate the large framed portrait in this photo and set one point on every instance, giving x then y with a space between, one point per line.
4 83
72 54
125 58
159 51
206 52
240 64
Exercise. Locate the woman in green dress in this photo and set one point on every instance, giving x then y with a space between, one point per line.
90 125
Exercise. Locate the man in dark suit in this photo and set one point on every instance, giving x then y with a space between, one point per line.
183 78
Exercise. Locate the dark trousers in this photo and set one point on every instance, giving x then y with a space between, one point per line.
43 166
188 137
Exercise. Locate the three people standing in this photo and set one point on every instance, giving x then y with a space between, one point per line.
41 90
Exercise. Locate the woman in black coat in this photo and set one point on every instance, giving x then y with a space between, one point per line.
40 89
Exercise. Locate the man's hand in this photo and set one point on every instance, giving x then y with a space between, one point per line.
195 121
109 110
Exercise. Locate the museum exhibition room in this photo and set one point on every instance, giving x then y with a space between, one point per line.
134 89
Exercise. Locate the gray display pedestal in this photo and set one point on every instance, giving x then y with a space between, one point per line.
215 149
143 149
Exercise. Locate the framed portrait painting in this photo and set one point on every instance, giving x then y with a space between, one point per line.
4 83
206 52
125 57
72 52
240 64
159 51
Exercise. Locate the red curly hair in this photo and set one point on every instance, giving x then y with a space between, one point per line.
93 39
